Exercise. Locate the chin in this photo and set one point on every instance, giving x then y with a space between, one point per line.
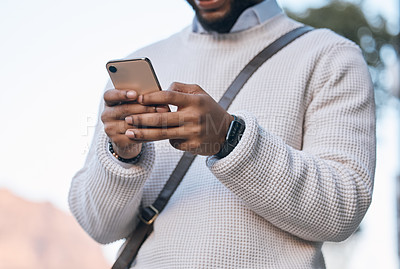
221 19
211 17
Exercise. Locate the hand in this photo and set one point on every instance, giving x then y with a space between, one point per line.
118 105
199 125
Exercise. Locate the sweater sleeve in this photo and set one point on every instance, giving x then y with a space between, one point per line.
321 192
104 196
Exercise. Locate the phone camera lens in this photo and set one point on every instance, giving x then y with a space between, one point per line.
112 69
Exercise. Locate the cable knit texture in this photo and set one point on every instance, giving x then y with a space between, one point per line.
301 174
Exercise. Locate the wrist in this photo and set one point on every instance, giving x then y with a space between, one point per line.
130 156
233 136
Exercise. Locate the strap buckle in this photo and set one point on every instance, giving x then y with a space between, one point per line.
149 214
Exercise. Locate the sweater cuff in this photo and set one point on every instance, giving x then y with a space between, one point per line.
243 150
113 166
124 165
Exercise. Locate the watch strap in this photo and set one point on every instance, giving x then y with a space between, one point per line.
233 136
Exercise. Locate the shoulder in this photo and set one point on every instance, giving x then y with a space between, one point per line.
336 60
319 37
324 42
329 38
333 48
317 44
324 49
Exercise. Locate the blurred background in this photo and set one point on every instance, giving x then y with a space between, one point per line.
52 74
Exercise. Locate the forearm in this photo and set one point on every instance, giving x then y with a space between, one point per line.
321 190
104 196
311 197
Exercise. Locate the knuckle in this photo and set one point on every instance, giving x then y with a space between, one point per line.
196 86
109 95
179 119
174 85
163 120
123 109
121 127
108 129
197 130
168 95
158 121
106 95
197 100
137 120
139 134
107 114
164 133
104 116
195 117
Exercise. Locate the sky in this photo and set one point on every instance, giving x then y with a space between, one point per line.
52 72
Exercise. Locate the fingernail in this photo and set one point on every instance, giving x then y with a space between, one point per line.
130 133
140 99
131 94
129 120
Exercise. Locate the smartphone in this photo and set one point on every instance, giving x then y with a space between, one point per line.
135 74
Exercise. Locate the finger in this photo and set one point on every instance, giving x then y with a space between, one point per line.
179 99
167 119
114 97
156 134
162 109
119 112
114 128
186 88
125 110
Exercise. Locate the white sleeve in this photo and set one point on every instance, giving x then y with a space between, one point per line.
322 192
105 196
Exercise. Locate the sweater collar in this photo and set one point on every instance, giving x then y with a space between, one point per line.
251 17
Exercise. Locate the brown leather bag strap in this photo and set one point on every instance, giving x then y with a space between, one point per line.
150 213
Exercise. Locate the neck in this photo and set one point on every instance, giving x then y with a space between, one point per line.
224 24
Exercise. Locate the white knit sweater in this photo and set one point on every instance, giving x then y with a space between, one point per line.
302 173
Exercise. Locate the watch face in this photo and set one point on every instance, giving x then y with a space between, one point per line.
235 132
